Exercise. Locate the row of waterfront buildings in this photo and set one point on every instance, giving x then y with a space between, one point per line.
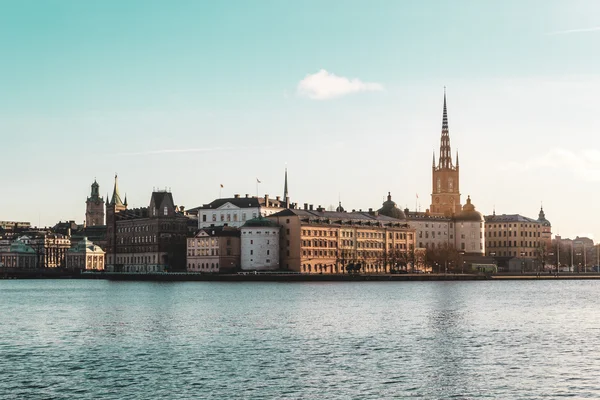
274 233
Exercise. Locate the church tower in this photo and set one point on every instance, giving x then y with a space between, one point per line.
115 205
94 210
445 194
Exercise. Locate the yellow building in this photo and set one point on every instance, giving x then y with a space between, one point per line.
513 235
319 241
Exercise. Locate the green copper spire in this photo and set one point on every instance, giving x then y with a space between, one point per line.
116 198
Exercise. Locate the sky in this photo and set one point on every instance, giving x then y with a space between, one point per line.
191 95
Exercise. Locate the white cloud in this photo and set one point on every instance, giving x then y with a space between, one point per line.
581 30
584 165
324 85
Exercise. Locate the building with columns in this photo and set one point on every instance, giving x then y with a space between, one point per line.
85 256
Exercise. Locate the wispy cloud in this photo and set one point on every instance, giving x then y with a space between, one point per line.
581 30
188 150
584 165
324 85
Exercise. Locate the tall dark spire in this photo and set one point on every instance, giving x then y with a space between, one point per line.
116 198
445 155
285 187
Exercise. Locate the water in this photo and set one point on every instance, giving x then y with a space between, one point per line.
65 339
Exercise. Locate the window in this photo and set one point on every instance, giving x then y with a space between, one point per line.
166 211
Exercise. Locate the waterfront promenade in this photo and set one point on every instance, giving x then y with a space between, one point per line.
283 276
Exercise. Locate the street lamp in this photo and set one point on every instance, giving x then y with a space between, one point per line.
522 262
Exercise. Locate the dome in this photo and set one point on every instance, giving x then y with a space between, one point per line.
340 208
260 222
390 209
542 218
468 213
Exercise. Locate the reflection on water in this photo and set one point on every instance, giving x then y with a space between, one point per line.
139 340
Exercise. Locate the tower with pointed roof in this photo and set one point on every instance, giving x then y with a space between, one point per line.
285 188
94 207
445 193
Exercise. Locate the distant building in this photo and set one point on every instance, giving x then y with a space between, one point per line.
260 245
85 256
214 249
512 235
50 248
319 241
236 210
12 226
19 255
94 212
147 239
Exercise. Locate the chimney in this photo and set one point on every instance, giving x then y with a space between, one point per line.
310 207
320 209
236 196
370 211
277 198
305 206
266 200
287 203
246 195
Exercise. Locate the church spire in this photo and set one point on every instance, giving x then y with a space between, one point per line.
445 156
116 198
285 188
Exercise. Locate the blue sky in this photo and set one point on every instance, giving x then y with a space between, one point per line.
193 94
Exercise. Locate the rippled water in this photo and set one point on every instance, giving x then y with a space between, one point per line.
137 340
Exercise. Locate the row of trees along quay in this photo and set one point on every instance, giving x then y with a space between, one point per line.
444 259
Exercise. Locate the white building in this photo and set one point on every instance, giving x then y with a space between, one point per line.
260 245
85 256
469 230
235 211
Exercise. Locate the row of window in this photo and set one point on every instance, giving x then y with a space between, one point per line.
523 243
203 266
514 233
227 217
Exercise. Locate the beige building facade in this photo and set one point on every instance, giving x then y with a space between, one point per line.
214 249
513 235
319 241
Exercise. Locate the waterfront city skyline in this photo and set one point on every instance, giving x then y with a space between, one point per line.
194 96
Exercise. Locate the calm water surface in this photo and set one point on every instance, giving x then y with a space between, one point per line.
67 339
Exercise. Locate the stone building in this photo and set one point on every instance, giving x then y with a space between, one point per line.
260 245
319 241
18 255
147 239
94 211
515 236
214 249
85 256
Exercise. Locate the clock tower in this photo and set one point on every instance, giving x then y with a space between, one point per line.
445 194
